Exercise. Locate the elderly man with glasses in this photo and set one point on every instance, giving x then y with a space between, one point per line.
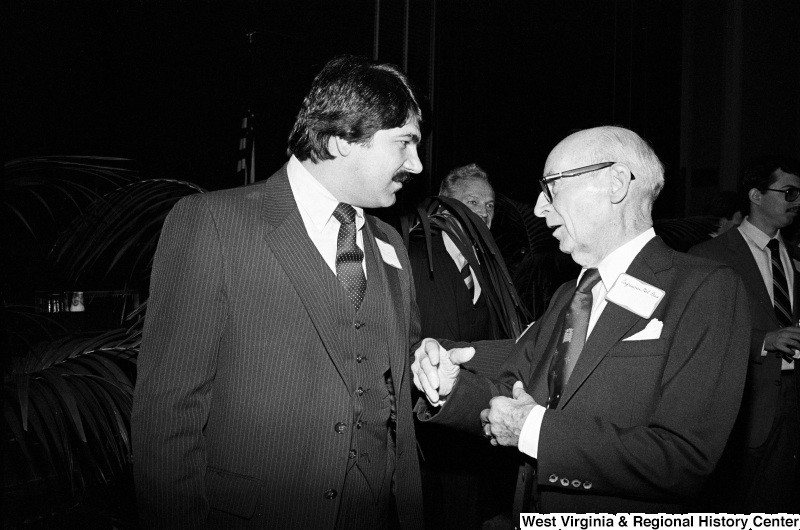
760 470
621 397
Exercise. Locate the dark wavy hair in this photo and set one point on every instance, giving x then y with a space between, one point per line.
353 98
760 173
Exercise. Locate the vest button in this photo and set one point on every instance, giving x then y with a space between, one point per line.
358 325
360 391
340 428
359 358
330 494
353 453
358 424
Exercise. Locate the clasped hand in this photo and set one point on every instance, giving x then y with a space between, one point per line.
436 369
503 421
784 341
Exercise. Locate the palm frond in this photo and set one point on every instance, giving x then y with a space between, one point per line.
683 234
468 232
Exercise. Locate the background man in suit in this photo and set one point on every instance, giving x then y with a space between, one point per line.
453 305
272 388
450 297
768 428
632 417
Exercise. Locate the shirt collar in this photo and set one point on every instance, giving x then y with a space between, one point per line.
756 235
620 259
313 198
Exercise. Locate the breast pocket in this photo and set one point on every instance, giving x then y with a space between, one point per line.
638 348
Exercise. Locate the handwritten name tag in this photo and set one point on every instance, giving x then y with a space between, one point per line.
388 254
635 295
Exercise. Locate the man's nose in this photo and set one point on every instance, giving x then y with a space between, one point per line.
542 205
413 164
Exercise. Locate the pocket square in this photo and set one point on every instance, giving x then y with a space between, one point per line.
651 331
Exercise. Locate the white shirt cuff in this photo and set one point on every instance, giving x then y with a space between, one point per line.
529 436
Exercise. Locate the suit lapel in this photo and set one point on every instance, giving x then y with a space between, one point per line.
794 254
747 268
397 326
301 262
615 321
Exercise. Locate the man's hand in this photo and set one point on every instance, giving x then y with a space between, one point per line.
785 341
436 369
503 420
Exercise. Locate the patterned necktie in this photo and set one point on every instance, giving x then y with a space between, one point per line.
349 269
466 275
572 337
780 287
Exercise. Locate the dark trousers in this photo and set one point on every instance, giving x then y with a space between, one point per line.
771 472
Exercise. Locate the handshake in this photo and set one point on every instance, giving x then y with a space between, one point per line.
436 370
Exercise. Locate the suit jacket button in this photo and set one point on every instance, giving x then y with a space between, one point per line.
587 485
565 481
340 428
353 453
358 325
576 483
330 494
359 358
553 478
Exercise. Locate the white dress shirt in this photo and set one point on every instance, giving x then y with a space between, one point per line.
757 241
316 205
610 268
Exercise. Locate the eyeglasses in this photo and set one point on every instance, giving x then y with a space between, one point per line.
547 179
790 194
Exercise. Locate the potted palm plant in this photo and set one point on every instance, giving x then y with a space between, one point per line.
81 222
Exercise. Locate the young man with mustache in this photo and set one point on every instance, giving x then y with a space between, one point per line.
272 389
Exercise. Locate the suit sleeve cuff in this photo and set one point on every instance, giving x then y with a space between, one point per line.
529 436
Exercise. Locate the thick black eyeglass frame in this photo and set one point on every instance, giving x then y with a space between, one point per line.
547 179
790 194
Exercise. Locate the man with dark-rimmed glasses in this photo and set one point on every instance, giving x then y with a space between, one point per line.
621 397
760 469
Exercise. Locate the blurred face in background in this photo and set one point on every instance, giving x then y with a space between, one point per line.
478 195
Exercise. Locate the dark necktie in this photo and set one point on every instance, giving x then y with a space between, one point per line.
466 275
572 337
349 269
780 287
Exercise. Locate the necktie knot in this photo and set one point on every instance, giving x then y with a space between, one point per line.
344 213
588 280
774 245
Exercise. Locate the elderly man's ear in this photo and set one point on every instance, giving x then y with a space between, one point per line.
620 183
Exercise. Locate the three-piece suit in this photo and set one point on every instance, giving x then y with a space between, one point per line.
257 376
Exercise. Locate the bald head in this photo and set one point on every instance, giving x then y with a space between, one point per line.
594 212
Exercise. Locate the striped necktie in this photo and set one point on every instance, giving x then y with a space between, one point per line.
780 287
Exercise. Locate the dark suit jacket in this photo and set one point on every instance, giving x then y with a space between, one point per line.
241 376
641 424
764 374
445 304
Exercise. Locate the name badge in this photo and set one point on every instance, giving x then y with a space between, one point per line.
388 254
635 295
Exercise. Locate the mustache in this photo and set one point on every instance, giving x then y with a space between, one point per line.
402 177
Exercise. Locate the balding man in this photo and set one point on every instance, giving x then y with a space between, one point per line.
623 394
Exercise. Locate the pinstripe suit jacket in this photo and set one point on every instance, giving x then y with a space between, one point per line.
241 379
762 391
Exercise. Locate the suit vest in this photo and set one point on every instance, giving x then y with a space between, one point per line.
363 333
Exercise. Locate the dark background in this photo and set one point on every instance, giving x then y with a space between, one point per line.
709 83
